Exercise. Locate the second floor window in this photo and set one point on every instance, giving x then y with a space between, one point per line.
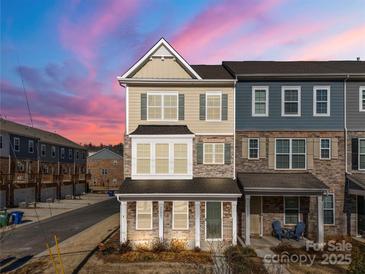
362 154
321 101
213 153
325 149
162 158
70 154
362 99
53 151
143 158
104 171
30 146
16 144
162 106
291 101
213 107
290 154
62 153
43 150
260 101
180 158
77 155
1 141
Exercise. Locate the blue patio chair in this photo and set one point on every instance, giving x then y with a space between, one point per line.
278 231
297 232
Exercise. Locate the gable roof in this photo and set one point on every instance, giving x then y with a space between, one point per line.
161 42
104 154
212 71
32 132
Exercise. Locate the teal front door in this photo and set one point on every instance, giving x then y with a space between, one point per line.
213 220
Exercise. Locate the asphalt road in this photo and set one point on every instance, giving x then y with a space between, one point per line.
29 240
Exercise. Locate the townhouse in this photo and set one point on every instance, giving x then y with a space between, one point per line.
178 152
37 165
289 135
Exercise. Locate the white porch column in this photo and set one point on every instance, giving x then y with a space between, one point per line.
234 223
320 236
123 221
160 219
248 219
197 223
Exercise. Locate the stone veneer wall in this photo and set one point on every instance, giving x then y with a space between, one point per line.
331 172
147 236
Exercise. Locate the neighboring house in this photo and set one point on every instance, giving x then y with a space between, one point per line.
280 131
106 170
178 152
38 165
355 176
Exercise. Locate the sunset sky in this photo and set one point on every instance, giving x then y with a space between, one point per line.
69 53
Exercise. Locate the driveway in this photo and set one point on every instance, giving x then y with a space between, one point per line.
27 241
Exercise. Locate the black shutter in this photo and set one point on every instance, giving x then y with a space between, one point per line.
355 153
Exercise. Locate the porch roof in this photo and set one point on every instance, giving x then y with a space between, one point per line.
356 183
162 130
195 189
281 184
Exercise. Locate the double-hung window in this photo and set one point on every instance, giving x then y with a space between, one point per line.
328 209
260 101
162 158
325 147
104 171
143 158
291 210
213 153
31 146
290 101
1 141
290 154
62 153
77 155
144 215
16 144
180 212
162 106
53 151
362 99
213 106
43 150
253 148
70 153
321 101
362 154
180 158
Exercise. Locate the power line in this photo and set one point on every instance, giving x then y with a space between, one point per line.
25 92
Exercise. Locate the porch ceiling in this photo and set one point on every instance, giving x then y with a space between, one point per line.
275 184
356 183
195 189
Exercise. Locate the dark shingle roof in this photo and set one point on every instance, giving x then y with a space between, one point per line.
161 130
194 186
280 182
42 135
357 181
212 71
294 67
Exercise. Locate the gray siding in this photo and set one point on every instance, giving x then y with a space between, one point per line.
245 121
48 157
4 151
355 118
23 152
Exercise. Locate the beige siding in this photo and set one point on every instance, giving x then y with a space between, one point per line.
191 109
167 68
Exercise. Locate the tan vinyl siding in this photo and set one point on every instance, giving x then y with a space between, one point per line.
191 109
158 68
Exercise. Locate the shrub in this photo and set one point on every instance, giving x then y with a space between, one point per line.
241 260
143 247
125 247
159 246
177 245
357 265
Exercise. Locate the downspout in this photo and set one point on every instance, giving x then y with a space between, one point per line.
345 122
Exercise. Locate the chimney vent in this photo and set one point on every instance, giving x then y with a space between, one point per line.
357 58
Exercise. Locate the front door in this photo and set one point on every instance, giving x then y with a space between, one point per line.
213 220
361 215
255 208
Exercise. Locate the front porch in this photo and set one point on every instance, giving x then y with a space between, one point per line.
289 198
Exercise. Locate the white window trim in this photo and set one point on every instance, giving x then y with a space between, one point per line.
43 149
283 89
171 140
205 218
162 94
220 106
359 140
214 147
258 148
173 216
291 155
333 209
53 149
320 149
361 90
328 88
285 223
253 101
18 141
151 225
30 145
